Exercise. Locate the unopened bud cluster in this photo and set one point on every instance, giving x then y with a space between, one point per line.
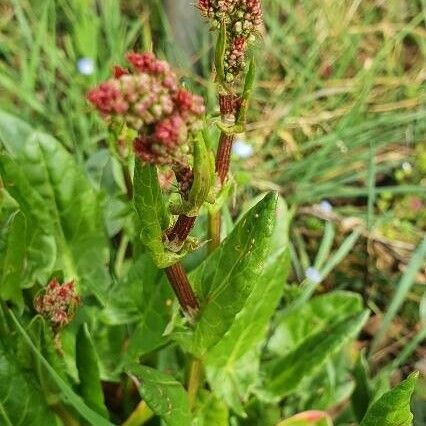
242 19
58 303
148 99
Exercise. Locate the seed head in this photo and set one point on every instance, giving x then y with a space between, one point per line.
148 99
243 19
58 303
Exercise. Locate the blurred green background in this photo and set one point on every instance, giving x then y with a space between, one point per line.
337 124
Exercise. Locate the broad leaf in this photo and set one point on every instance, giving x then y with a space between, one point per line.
286 374
226 361
21 400
225 280
152 214
317 313
164 395
68 393
393 408
12 262
362 394
141 301
210 411
88 372
61 208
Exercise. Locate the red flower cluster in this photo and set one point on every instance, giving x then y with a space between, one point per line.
58 302
148 98
242 18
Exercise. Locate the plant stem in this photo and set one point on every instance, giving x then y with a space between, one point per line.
223 156
181 229
183 290
214 230
140 415
194 380
127 181
229 108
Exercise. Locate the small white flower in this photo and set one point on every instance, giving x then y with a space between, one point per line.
86 66
242 149
407 167
326 207
312 274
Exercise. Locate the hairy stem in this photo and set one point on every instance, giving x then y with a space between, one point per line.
183 290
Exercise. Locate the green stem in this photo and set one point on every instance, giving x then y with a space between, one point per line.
66 417
214 230
194 380
140 415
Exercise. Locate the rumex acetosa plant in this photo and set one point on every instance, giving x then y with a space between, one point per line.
89 332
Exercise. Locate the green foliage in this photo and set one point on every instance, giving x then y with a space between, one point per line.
233 363
203 182
71 397
21 402
14 260
220 54
140 302
226 279
88 372
164 395
152 214
64 222
210 411
285 374
393 408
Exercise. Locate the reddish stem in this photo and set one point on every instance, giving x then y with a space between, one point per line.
181 229
183 290
223 156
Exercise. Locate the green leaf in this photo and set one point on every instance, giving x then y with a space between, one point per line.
210 411
68 394
308 418
220 54
21 400
203 183
152 214
362 394
320 312
88 372
141 301
226 360
62 211
247 91
12 264
286 374
393 408
164 395
225 280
